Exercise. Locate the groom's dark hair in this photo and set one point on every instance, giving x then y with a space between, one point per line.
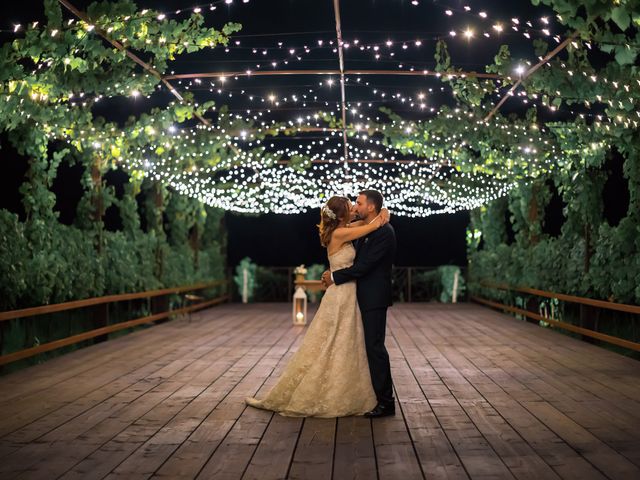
375 197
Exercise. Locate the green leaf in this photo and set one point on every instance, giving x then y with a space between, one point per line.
621 17
53 12
607 48
183 112
626 55
231 27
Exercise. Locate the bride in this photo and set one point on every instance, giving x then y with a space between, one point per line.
329 375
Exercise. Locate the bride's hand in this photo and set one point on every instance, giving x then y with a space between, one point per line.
384 216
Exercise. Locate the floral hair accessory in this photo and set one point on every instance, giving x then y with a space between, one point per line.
328 212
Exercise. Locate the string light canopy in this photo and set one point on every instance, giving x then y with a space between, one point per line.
269 137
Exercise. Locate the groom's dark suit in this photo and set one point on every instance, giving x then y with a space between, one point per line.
372 271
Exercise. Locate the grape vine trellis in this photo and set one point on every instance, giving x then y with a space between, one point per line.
52 76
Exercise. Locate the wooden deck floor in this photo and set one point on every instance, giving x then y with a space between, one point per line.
480 395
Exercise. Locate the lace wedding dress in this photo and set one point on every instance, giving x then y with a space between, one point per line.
329 374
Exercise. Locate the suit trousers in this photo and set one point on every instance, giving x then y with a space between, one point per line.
375 325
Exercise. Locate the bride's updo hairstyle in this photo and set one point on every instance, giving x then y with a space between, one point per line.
335 212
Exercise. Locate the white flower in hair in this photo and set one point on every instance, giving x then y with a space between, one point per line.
328 212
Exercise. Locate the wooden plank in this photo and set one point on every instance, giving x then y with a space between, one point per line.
30 408
435 453
37 378
564 325
476 453
355 456
603 373
192 455
77 418
63 342
313 457
479 395
56 442
555 452
596 452
273 456
168 430
395 452
234 454
517 454
599 416
80 415
35 408
111 439
568 465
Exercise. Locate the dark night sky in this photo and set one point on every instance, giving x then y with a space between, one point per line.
279 240
290 240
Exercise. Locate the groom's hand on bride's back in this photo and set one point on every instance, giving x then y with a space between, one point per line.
326 279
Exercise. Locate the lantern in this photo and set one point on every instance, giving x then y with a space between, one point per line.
300 307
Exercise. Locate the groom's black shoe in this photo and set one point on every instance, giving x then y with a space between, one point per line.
382 410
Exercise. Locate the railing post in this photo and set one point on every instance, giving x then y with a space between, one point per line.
409 284
533 305
588 319
229 287
100 319
467 292
160 304
1 344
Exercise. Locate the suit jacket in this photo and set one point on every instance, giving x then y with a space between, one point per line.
371 268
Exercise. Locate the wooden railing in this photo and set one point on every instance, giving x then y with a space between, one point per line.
634 309
308 285
106 329
406 287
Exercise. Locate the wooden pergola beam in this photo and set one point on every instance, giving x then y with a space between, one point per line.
370 160
343 100
165 81
267 73
529 72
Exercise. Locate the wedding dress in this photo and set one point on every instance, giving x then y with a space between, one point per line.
329 374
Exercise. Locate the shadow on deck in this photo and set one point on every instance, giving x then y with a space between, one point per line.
480 395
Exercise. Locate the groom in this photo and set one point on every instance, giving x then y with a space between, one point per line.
372 271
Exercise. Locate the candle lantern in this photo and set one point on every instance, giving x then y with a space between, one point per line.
300 307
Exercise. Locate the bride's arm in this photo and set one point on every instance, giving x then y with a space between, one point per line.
346 234
384 213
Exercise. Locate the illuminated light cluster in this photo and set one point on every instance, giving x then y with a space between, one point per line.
289 191
247 163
